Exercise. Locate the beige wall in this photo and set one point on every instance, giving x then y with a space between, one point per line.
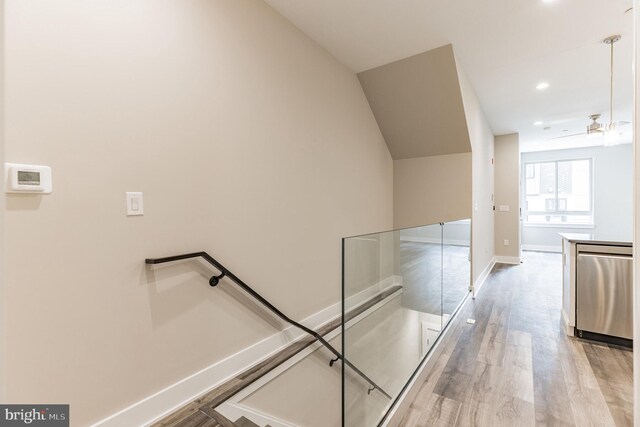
369 261
482 142
418 105
248 140
507 183
427 190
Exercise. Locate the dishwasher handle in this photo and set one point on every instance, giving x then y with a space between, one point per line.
626 251
607 256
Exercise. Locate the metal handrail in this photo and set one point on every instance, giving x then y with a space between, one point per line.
214 280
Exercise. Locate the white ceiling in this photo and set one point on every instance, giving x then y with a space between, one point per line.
506 48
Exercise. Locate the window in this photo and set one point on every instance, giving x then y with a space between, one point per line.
559 192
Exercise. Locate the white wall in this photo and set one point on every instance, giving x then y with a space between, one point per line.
636 216
248 140
612 194
482 144
3 307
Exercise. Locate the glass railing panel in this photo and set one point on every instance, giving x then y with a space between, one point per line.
364 268
420 266
456 265
369 269
392 289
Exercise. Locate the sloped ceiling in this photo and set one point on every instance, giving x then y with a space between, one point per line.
418 104
506 48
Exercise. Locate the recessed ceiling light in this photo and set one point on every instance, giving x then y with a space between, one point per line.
538 123
548 1
542 86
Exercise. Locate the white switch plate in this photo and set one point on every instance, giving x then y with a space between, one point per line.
135 205
506 242
504 208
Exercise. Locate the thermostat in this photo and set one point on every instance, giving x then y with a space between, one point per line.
33 179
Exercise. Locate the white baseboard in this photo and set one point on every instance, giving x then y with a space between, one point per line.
434 240
365 295
234 411
167 400
507 260
477 285
542 248
568 328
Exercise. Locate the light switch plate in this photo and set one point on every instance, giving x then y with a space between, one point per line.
135 205
504 208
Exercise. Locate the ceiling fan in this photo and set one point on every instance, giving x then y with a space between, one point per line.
610 131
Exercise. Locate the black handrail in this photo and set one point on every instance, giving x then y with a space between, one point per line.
213 281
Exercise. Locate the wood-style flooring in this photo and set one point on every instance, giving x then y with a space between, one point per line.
435 277
516 367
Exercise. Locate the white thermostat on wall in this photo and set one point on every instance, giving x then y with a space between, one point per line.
30 179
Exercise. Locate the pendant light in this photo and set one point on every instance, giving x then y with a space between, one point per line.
611 133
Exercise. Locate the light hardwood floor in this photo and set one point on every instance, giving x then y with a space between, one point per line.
435 277
516 367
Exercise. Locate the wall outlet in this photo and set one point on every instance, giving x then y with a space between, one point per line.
506 242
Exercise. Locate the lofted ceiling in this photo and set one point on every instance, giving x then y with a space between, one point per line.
506 47
419 99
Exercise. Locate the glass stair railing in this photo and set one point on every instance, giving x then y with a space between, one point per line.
400 288
429 269
211 405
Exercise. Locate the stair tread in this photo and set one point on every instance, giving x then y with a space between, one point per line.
198 419
219 418
245 422
212 399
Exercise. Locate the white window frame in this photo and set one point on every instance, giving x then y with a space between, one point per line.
526 213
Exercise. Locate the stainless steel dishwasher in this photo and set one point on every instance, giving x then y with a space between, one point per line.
604 291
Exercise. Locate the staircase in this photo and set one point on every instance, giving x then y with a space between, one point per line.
215 419
243 422
221 421
201 412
